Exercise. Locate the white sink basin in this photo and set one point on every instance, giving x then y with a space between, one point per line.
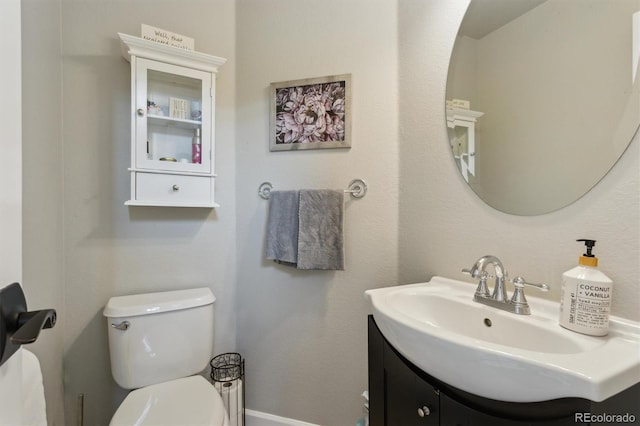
500 355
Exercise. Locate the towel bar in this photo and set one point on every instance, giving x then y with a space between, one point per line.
357 188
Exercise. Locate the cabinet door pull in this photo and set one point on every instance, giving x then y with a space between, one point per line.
140 112
424 411
176 188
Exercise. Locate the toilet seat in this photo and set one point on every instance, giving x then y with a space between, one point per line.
187 401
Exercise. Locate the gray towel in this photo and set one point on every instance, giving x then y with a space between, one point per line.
320 230
282 226
305 229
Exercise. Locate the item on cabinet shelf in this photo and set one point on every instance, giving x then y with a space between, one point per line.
196 111
585 299
196 148
154 109
168 159
179 108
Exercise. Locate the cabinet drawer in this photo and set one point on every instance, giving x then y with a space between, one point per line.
173 189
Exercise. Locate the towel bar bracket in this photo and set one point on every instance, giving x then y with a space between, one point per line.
264 190
357 188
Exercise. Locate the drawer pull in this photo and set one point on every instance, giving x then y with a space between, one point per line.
424 411
176 188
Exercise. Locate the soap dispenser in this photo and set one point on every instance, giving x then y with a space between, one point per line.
585 300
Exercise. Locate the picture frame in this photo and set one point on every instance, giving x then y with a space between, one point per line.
313 113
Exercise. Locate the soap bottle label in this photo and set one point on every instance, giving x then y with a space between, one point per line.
585 306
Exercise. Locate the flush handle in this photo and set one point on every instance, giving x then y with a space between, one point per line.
124 326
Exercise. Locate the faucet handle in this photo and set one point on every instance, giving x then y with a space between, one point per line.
481 290
473 272
520 282
476 273
518 299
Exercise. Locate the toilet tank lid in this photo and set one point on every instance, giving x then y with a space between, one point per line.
153 303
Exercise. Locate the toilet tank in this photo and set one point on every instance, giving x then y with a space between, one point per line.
156 337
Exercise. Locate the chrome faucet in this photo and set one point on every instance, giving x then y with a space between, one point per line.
498 298
478 270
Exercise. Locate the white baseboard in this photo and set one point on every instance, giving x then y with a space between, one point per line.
258 418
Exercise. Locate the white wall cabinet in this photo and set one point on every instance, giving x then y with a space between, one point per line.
172 124
464 153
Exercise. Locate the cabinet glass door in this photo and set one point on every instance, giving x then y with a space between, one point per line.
173 114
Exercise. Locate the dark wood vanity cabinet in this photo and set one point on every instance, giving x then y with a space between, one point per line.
400 394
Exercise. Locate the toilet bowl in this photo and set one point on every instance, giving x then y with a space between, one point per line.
158 343
187 401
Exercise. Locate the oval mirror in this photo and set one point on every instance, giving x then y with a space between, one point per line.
542 98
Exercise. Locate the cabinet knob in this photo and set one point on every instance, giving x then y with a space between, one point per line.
140 112
424 411
176 188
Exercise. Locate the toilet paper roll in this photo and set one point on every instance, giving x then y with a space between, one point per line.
232 397
34 409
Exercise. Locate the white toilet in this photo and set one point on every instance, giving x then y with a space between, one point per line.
158 343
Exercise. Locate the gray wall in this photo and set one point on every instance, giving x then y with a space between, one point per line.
303 334
42 169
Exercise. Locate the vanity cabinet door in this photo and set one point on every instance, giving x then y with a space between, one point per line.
454 413
397 395
409 400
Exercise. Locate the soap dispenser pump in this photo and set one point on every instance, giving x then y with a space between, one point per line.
585 300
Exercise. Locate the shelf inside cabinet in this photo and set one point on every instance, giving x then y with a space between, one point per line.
161 120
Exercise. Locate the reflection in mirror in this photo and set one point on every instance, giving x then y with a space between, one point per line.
543 97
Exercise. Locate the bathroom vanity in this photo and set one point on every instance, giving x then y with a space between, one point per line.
402 394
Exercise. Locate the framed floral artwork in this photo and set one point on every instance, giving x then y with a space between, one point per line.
314 113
